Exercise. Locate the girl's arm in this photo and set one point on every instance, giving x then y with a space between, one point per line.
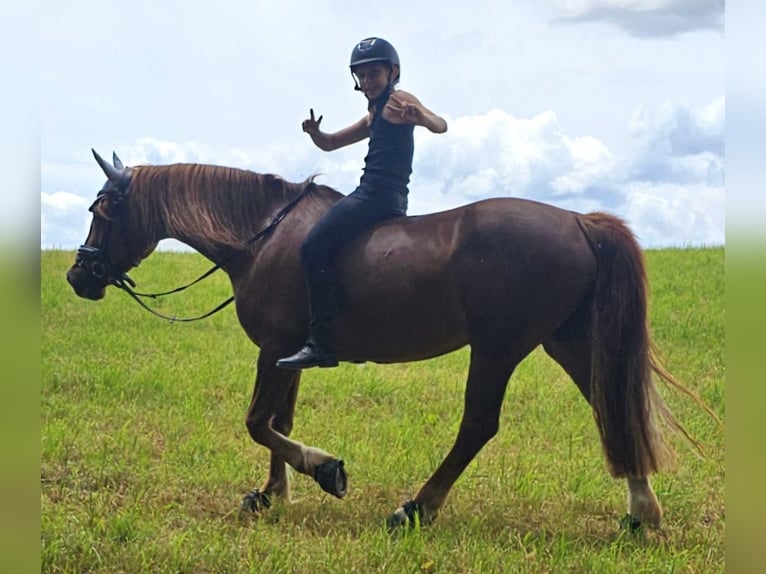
327 142
404 108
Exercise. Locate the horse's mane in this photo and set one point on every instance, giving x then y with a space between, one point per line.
220 206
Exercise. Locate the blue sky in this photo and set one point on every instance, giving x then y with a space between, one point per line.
615 105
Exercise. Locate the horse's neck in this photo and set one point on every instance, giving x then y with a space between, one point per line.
216 218
231 241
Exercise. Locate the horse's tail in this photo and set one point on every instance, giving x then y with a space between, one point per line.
625 401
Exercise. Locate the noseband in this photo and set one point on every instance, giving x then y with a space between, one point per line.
97 263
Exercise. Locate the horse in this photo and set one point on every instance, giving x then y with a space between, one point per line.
501 275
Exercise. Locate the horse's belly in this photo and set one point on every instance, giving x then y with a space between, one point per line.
397 318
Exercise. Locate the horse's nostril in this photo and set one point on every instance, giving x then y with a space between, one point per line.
97 269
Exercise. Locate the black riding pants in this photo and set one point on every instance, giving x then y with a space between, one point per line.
344 221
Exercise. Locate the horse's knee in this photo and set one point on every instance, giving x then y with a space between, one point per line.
258 428
282 426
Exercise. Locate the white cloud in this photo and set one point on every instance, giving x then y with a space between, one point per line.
669 186
647 18
679 144
149 150
62 201
674 181
671 214
683 129
591 162
281 159
64 220
498 154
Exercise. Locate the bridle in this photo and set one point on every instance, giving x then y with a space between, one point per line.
98 264
95 260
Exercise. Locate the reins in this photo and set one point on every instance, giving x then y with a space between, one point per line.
126 283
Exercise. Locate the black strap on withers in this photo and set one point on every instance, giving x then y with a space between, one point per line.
123 282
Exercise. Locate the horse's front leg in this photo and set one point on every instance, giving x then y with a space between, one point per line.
269 421
277 482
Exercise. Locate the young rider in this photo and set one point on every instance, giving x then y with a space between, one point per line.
382 191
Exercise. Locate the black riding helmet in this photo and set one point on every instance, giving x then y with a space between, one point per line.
374 50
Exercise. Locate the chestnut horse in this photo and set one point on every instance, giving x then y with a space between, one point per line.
500 275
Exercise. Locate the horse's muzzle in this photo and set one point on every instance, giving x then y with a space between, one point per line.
85 284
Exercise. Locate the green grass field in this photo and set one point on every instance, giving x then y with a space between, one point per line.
145 456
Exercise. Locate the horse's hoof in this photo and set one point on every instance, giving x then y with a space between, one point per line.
332 477
408 514
255 501
630 523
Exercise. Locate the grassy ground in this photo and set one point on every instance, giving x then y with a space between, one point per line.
145 456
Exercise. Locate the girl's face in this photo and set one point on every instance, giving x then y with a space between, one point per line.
373 78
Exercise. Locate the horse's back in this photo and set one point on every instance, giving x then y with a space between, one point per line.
492 234
485 269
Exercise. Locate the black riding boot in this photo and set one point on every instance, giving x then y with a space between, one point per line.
318 350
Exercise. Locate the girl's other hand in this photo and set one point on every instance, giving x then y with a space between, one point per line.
409 111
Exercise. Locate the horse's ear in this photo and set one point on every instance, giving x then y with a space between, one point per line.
117 161
111 172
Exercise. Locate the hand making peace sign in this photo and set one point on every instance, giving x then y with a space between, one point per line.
409 111
311 125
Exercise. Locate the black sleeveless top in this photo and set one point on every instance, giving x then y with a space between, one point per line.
388 164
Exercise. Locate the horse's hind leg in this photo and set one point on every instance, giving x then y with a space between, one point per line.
643 506
487 380
572 350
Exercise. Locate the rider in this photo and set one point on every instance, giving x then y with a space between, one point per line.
382 191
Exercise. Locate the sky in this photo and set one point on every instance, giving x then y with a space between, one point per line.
609 105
